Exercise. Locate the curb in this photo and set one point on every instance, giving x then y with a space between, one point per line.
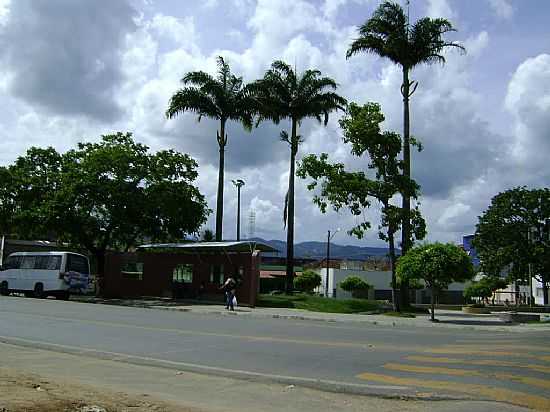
380 391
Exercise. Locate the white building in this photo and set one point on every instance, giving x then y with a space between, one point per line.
380 282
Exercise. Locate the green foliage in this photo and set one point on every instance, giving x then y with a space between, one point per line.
221 98
478 290
502 235
285 94
318 304
207 236
353 284
388 34
105 195
436 264
308 281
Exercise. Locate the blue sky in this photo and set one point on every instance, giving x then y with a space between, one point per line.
71 71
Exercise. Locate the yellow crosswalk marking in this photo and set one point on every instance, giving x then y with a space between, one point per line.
494 393
480 362
539 383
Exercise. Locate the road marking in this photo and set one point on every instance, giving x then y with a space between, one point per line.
366 345
505 347
193 367
539 383
479 362
494 393
463 351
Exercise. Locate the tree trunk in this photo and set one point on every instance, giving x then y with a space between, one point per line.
290 211
222 141
395 299
100 280
433 304
405 227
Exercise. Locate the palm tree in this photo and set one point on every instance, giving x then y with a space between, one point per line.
389 34
284 94
222 98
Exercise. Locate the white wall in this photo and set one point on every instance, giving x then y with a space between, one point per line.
377 279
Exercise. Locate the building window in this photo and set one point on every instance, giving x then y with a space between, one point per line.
132 270
183 274
217 278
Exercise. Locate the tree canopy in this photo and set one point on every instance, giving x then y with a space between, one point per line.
108 195
356 190
512 234
436 265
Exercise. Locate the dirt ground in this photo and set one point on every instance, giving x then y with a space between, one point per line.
20 392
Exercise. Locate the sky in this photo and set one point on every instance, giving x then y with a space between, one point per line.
71 71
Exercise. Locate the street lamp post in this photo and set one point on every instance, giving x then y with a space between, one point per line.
329 237
239 183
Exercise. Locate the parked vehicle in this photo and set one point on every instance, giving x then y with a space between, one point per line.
42 274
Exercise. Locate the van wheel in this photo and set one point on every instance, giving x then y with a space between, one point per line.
39 291
4 291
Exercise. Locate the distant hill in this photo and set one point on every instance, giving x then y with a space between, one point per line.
318 250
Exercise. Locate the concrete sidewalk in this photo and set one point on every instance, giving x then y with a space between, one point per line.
447 318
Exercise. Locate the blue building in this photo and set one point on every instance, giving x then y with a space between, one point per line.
469 248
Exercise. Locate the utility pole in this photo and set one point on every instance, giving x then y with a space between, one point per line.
238 183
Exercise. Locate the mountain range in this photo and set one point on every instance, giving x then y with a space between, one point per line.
318 250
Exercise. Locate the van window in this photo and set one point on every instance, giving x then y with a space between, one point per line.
77 264
48 262
13 262
28 262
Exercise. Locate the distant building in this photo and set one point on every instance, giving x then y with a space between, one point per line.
470 250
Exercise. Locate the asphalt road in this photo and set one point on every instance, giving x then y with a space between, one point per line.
508 367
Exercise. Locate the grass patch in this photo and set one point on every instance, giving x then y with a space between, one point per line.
318 303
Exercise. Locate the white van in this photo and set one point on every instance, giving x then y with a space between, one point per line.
42 274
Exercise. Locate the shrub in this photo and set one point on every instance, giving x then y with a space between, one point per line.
308 281
354 284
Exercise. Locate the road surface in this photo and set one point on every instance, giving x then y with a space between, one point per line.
430 362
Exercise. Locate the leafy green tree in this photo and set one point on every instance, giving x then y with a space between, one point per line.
285 94
485 288
356 190
109 195
308 281
222 98
208 236
355 285
512 234
389 34
437 265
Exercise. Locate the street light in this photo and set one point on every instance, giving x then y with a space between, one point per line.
329 237
239 183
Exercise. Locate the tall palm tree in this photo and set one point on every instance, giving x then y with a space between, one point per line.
222 98
285 94
389 34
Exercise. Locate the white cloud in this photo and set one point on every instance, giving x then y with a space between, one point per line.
502 8
440 8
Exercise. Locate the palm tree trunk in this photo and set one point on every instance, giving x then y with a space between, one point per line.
290 211
222 141
406 228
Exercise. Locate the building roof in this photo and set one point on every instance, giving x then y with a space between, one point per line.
201 247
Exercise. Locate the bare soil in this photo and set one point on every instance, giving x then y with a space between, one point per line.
22 392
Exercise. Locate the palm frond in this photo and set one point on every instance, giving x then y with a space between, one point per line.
192 99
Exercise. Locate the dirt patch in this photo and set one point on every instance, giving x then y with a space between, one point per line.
21 392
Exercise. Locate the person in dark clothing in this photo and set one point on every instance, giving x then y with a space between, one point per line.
229 287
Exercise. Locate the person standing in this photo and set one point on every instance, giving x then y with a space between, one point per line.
229 287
